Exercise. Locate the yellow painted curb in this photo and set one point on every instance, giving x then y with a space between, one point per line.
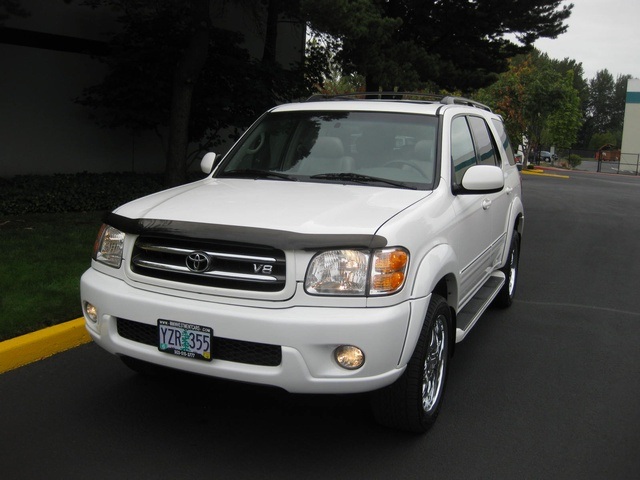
31 347
541 173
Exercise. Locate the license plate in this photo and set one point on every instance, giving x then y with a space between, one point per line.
184 339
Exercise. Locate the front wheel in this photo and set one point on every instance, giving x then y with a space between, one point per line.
412 403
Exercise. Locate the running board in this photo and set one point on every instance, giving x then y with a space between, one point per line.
472 311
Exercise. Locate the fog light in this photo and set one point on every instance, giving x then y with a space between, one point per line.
92 312
349 357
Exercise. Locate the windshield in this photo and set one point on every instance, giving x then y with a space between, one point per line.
371 148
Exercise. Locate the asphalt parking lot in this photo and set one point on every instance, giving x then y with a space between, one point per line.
546 389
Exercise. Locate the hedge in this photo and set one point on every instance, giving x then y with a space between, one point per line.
80 192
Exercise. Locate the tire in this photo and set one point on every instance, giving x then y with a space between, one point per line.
413 401
505 297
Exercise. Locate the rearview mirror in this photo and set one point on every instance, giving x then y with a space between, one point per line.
208 162
482 179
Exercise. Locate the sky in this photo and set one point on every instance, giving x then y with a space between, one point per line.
601 34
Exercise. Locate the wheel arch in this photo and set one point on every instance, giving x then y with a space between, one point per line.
516 224
435 275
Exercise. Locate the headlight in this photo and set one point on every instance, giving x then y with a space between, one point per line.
109 246
338 272
357 272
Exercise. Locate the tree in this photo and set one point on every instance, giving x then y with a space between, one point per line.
185 75
580 83
605 110
619 104
601 89
330 80
170 70
538 103
562 125
568 85
414 43
9 8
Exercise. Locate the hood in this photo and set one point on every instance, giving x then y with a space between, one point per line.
299 207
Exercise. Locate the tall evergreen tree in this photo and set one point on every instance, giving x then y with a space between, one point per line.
601 99
412 43
605 110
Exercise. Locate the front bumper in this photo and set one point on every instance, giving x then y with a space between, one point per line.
307 336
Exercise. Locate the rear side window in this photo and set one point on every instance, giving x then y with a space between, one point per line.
484 142
504 140
463 154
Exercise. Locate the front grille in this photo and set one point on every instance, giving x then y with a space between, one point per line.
210 263
221 348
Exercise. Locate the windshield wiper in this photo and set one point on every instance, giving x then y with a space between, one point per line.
254 173
358 178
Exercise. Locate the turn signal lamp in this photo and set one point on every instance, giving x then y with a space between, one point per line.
389 271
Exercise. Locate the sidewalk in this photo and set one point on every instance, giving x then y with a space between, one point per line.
29 348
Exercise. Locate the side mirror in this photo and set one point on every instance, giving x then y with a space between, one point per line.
482 179
208 162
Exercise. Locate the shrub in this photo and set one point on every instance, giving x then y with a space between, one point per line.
80 192
574 160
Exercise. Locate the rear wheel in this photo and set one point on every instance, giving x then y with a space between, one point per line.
412 403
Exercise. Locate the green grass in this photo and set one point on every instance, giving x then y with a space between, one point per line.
42 257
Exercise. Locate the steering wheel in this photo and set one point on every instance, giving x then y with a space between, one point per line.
402 163
260 141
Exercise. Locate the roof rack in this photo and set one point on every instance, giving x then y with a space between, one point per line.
377 96
407 96
450 100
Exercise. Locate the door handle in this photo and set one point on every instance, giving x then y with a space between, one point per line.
486 203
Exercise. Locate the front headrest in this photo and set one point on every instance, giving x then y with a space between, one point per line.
328 147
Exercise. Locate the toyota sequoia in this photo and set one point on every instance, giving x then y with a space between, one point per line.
343 244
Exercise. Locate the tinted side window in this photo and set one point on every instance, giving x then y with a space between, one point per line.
504 139
463 154
484 141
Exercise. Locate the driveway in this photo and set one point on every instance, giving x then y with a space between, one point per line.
546 389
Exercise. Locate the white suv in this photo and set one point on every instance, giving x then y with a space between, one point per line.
342 245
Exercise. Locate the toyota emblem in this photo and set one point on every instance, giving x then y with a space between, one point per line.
198 262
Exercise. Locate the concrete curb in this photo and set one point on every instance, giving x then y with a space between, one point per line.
20 351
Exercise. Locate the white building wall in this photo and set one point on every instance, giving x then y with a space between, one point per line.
630 151
43 131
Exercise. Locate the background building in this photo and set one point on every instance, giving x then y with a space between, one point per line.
48 59
629 157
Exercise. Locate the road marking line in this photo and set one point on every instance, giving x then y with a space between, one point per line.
20 351
580 306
